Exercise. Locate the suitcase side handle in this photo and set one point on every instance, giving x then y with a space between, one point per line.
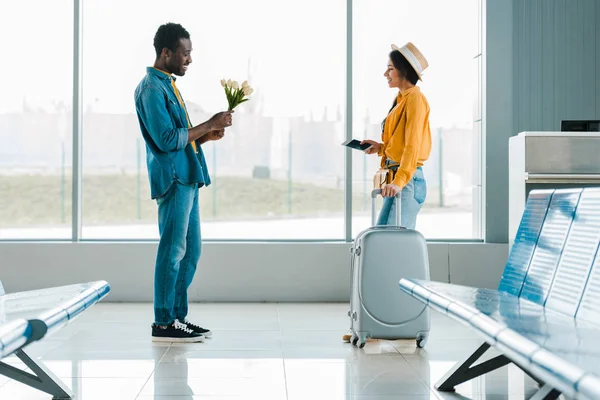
377 192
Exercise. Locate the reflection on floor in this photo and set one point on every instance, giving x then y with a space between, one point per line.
258 351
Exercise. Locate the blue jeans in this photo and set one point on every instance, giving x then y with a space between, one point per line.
178 251
411 200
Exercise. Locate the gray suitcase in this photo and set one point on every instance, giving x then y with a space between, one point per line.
381 256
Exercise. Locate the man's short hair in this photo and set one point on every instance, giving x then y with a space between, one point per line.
168 36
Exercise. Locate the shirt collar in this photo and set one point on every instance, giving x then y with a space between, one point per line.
408 91
160 73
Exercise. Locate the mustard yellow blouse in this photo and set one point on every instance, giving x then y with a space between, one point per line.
406 135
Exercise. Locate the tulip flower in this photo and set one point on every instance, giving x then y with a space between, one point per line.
236 94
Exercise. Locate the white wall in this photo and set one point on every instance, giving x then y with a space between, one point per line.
231 271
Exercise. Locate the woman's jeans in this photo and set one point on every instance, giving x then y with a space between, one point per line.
178 251
412 198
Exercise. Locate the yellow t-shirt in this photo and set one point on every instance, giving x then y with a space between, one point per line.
178 95
406 135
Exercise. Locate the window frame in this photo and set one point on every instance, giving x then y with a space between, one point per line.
77 132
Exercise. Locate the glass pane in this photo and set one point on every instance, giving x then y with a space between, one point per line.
35 120
278 172
448 86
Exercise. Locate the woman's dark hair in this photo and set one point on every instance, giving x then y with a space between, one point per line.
406 71
403 66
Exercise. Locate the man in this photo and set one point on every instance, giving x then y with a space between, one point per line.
177 169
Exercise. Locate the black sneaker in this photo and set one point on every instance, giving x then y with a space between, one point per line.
176 332
198 329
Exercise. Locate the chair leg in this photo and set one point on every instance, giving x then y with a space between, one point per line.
546 393
42 378
463 371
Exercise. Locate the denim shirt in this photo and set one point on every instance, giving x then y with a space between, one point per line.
164 126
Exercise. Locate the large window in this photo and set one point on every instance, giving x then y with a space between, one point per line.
36 119
447 39
279 173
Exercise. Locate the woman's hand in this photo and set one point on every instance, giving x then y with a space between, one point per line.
375 147
390 190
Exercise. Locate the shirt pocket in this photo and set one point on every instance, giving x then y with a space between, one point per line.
175 112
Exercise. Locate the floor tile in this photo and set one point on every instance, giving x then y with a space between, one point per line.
222 368
228 386
83 388
191 353
258 351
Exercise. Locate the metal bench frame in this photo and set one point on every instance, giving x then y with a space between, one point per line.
33 319
544 231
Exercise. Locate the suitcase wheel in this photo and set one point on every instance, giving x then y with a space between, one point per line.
362 344
354 340
421 341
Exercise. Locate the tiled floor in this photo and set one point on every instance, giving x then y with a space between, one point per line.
258 351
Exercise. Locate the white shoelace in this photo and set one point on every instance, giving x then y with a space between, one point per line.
182 327
185 321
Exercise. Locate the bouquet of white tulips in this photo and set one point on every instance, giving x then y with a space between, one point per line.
236 94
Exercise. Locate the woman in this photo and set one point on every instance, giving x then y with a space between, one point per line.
406 138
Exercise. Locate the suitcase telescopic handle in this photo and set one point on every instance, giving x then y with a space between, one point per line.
377 192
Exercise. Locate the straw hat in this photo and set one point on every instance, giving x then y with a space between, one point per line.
414 57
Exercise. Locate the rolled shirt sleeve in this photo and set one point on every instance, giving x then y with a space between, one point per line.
157 121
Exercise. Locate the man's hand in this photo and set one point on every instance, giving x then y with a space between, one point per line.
204 132
390 190
212 135
215 135
375 147
221 120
